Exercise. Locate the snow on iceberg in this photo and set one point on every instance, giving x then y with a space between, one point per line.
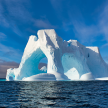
40 77
67 60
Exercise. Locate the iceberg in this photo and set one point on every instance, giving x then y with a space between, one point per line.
67 60
41 77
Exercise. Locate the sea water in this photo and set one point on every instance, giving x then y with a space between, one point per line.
54 94
2 79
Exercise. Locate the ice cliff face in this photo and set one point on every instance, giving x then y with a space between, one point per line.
67 60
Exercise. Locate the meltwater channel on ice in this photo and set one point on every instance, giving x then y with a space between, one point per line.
67 60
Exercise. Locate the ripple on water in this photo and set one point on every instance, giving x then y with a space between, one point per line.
75 94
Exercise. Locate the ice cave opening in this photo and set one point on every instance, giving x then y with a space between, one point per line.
43 64
72 66
30 66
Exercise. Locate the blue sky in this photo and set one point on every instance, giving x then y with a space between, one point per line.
82 20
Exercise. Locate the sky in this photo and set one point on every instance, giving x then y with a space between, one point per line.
82 20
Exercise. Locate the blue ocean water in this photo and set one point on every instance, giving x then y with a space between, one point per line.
2 79
54 94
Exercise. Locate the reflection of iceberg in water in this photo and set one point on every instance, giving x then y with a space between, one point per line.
67 60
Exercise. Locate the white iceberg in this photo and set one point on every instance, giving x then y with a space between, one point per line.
67 60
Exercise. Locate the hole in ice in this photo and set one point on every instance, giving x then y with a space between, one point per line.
72 66
43 63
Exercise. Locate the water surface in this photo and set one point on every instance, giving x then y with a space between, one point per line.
2 79
54 94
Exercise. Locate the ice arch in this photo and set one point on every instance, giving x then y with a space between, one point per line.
46 45
30 66
74 63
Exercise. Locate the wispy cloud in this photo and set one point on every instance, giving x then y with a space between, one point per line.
4 65
82 31
6 18
13 14
85 32
3 20
31 30
17 10
105 45
10 53
103 22
2 36
57 4
76 22
43 24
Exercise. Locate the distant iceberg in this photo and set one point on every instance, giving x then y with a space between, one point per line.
67 60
